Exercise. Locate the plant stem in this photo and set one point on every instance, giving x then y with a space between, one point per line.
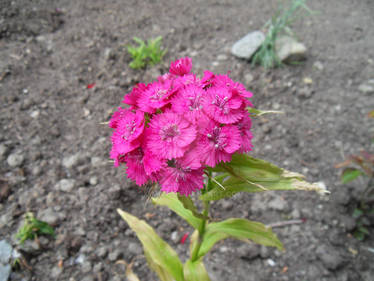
201 230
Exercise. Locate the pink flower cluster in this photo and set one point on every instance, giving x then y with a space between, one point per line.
178 125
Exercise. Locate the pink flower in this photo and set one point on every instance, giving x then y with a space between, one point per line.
169 135
118 115
244 127
207 80
179 177
222 106
234 87
156 96
218 143
189 102
135 167
129 128
133 96
181 67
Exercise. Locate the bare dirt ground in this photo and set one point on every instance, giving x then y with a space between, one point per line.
51 50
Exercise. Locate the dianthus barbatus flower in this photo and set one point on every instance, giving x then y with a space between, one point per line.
180 176
181 67
156 96
141 165
216 143
222 106
188 102
133 96
117 115
244 127
129 128
169 135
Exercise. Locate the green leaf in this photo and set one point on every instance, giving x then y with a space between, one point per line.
350 174
357 213
241 229
247 174
157 250
171 200
193 241
257 112
364 230
161 272
188 204
195 271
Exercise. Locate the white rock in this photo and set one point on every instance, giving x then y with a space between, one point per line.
248 45
289 50
367 88
271 262
50 216
277 204
248 78
70 161
318 65
222 57
15 160
66 185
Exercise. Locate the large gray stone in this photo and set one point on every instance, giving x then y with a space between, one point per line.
5 252
4 272
288 49
248 45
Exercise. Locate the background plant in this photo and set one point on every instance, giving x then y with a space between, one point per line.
146 53
279 23
32 228
361 166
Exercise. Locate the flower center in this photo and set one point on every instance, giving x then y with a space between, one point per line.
221 104
195 103
169 132
129 130
159 95
217 138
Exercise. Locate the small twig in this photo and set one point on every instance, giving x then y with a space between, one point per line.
285 223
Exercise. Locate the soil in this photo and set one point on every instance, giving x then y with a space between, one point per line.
54 151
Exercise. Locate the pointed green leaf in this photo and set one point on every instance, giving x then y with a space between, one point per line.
256 112
350 174
195 271
241 229
193 241
188 204
171 200
161 272
247 174
158 251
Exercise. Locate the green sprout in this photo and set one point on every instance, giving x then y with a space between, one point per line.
355 166
33 227
280 23
144 54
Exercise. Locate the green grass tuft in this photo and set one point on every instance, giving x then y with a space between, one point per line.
280 23
144 54
32 228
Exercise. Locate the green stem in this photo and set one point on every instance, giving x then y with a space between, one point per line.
201 230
